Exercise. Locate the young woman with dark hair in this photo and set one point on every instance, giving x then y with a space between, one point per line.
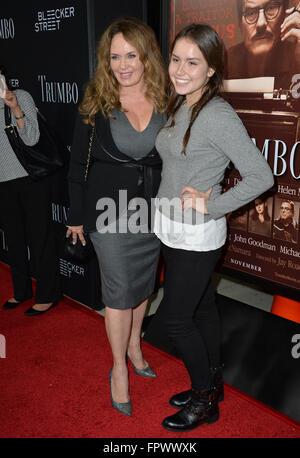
203 134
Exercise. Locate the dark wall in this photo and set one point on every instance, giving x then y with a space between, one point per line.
49 48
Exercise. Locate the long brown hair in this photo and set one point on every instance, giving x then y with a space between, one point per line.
102 92
212 48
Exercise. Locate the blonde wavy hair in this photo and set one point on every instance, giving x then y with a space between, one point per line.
102 91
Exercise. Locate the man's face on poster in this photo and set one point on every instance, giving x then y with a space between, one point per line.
260 24
286 211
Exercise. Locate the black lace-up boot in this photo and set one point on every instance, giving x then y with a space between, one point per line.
201 408
179 400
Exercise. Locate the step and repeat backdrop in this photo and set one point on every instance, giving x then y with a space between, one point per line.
48 49
262 41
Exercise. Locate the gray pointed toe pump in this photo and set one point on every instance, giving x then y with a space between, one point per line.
146 372
122 407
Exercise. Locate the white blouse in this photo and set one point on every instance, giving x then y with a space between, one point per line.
207 236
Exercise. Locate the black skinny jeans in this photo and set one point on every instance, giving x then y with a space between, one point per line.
25 216
189 313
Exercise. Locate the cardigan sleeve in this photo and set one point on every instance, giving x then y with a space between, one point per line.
77 168
30 131
228 135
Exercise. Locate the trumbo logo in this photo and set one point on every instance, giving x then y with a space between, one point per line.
50 20
283 157
58 91
67 268
59 213
2 346
7 28
296 347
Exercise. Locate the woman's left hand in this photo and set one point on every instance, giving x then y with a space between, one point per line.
10 99
192 198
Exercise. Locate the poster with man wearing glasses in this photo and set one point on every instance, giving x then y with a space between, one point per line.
262 42
270 42
285 226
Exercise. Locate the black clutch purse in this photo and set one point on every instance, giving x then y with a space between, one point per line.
39 160
77 251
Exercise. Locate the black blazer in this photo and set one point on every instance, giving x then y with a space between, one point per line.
110 171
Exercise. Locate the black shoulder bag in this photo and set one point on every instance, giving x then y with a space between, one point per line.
40 160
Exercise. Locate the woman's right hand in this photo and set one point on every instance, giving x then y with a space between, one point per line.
76 231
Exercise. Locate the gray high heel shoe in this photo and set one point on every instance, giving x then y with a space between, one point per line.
122 407
147 372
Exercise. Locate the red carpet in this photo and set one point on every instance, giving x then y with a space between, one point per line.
54 383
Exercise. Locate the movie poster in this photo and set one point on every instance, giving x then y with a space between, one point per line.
262 40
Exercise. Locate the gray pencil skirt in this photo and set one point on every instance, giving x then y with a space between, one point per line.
128 265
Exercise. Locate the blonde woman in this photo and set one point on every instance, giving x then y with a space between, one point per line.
124 102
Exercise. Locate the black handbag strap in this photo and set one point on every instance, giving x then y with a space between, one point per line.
88 161
7 115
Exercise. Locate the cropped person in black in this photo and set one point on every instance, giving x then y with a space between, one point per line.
25 212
